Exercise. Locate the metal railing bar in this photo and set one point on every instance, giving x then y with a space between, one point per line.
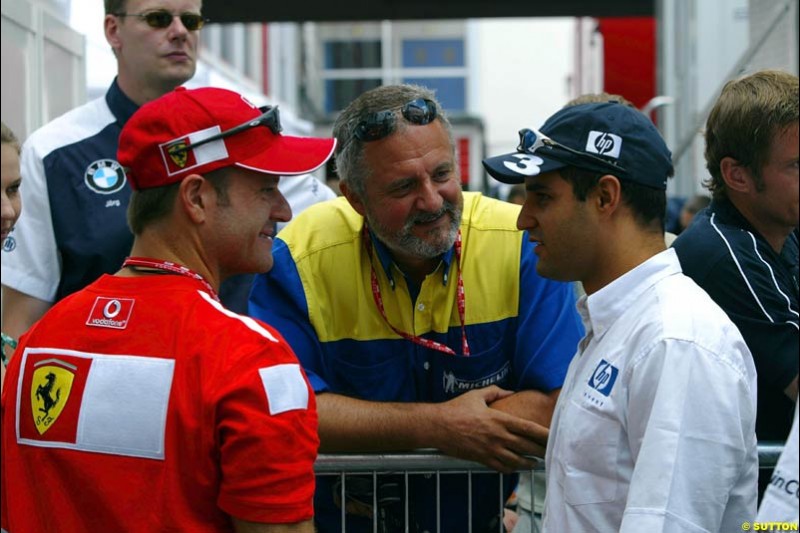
769 453
533 498
432 462
344 502
374 502
469 502
438 503
418 462
502 505
406 497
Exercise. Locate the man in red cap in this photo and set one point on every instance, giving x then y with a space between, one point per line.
140 403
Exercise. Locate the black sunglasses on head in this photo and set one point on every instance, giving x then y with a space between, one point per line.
533 141
378 125
270 118
162 19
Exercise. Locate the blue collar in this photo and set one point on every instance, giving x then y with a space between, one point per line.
121 106
385 257
729 214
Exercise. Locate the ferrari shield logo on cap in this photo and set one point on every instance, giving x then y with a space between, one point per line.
178 153
50 388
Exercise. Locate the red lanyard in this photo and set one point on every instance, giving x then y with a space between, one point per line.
460 302
168 266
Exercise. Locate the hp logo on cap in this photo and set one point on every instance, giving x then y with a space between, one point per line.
604 143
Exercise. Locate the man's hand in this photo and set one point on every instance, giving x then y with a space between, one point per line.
487 425
468 428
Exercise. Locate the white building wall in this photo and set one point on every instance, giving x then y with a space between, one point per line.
702 45
522 74
283 62
780 50
43 64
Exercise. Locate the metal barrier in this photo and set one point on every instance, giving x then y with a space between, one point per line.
768 454
431 463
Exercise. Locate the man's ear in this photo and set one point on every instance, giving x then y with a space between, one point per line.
195 196
608 193
353 198
735 175
111 28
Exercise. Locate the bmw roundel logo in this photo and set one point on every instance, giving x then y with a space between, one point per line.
105 176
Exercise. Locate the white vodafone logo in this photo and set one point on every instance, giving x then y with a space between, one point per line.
110 312
112 309
526 165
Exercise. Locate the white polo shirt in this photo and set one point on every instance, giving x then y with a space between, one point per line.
780 502
654 429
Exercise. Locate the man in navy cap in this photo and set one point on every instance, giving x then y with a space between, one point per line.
654 429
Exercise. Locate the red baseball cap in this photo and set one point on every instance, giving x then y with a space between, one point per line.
199 130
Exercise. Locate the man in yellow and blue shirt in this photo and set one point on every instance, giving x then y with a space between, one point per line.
418 316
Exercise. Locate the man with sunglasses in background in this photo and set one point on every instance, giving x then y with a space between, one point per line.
654 429
419 318
76 191
140 403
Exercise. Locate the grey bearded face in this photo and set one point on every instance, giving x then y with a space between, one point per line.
437 241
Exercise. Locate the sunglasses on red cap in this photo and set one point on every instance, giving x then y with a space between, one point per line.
162 18
533 141
269 118
378 125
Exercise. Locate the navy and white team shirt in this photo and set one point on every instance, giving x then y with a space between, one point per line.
73 227
758 289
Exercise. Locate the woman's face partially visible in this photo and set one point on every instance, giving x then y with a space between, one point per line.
11 201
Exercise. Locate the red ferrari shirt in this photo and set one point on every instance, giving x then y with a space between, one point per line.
141 404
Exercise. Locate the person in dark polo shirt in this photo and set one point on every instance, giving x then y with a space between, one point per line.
743 248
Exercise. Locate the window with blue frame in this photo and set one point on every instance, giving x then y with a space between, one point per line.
352 54
451 92
438 64
437 55
339 93
433 53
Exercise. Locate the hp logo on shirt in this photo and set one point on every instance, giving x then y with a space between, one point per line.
603 377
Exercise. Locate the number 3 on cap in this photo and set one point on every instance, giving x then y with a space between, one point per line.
528 165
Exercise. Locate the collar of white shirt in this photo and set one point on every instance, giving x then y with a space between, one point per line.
601 309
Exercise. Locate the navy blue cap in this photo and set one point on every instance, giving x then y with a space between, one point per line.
608 137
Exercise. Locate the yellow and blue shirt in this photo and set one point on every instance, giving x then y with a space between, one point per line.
522 329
